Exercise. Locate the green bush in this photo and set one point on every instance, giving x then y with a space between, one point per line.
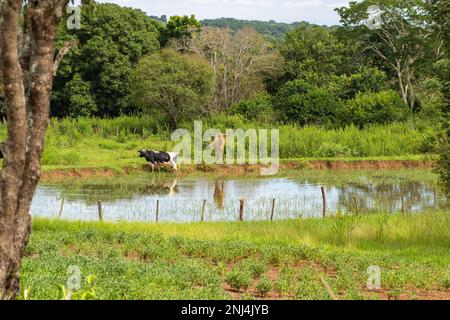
78 99
367 80
443 165
255 268
373 108
94 77
431 100
264 286
239 280
174 85
301 103
258 109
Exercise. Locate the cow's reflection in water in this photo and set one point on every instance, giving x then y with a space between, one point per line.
219 195
169 188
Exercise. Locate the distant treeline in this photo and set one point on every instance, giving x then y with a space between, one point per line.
124 62
269 29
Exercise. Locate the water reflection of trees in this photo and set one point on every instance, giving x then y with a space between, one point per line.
91 192
362 193
116 189
386 196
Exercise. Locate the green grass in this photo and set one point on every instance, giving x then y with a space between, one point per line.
241 260
113 143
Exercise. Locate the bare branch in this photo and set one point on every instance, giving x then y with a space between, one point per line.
67 46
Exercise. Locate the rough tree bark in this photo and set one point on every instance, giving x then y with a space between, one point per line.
27 65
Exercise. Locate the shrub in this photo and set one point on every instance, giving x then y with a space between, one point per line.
373 108
264 286
178 86
78 99
255 268
368 80
239 280
443 165
302 103
259 108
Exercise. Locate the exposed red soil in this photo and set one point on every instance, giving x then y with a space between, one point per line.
240 170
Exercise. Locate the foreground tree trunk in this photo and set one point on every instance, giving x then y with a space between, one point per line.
27 65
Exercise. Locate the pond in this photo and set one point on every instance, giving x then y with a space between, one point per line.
296 195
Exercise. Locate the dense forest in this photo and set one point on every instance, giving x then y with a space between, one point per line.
270 29
124 62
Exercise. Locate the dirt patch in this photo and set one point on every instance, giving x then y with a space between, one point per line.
32 255
133 256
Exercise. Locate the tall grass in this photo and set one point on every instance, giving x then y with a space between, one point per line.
76 141
398 139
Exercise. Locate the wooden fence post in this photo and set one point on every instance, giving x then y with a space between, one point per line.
61 208
403 204
241 210
324 202
436 200
356 204
203 211
273 209
100 211
157 211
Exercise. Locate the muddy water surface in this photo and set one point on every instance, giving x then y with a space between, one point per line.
134 198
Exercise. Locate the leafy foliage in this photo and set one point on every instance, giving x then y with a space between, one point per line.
443 166
367 80
302 103
179 27
257 109
311 53
181 261
373 108
172 85
93 79
270 29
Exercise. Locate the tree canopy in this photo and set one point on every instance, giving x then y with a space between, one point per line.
93 78
172 85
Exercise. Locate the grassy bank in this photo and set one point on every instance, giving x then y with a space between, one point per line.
286 168
279 260
113 143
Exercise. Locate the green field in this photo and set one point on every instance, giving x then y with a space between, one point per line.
294 259
113 143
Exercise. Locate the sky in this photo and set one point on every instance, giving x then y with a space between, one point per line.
314 11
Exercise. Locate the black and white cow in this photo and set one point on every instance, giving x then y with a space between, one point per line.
158 158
